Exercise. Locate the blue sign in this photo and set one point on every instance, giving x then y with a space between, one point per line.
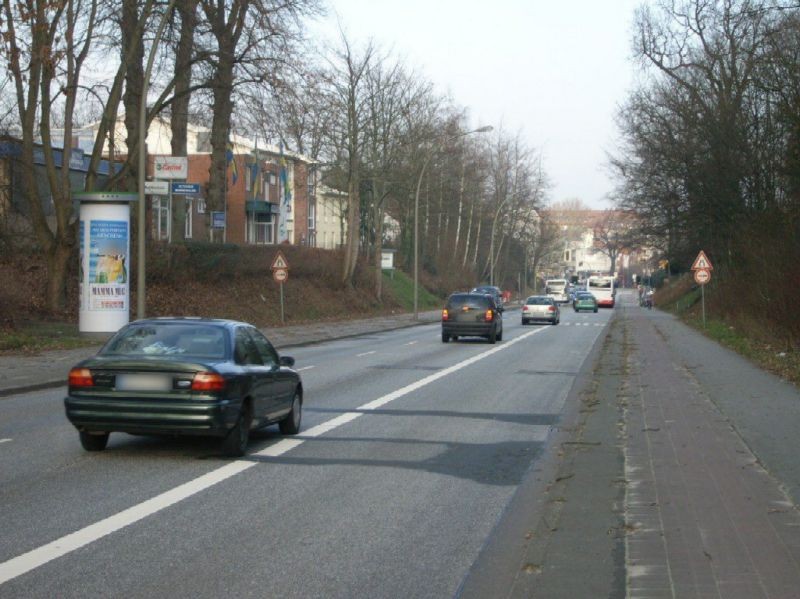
217 220
186 189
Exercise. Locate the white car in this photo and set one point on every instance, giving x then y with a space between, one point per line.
541 308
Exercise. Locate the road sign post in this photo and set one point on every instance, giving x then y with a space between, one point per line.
280 274
702 268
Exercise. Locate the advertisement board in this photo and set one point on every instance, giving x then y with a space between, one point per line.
171 167
104 276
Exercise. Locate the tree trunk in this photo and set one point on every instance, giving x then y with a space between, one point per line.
222 84
132 98
460 204
378 251
183 76
58 257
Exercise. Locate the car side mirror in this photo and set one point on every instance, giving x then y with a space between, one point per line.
287 361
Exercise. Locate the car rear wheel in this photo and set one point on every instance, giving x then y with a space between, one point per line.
445 338
493 336
93 441
235 443
500 335
291 424
595 310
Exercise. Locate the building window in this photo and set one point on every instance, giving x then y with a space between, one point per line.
201 205
260 228
187 222
312 211
247 178
161 218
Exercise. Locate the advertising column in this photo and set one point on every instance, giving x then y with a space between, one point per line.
104 278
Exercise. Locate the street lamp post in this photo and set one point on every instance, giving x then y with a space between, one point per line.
491 241
142 228
484 129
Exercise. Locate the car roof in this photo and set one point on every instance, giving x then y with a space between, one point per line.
190 320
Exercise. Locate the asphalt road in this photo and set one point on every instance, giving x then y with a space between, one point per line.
410 453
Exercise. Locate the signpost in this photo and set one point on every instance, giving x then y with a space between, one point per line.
280 274
702 268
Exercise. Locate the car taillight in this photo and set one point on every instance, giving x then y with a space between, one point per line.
81 377
445 315
208 381
525 308
551 309
488 316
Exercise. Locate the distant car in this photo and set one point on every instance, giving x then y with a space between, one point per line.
184 376
541 308
495 292
584 301
471 315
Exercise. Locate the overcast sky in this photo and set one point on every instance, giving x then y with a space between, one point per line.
553 70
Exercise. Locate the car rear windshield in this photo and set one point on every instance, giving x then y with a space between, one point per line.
489 290
471 301
168 339
538 301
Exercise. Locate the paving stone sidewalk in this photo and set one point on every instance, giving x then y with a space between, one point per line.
704 515
20 373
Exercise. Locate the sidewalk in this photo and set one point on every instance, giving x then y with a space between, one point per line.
22 373
706 468
672 473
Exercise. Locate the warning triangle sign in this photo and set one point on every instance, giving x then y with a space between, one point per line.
702 262
280 262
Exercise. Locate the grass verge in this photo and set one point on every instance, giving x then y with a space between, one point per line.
402 287
766 352
39 336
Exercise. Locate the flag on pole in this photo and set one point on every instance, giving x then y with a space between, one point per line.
231 160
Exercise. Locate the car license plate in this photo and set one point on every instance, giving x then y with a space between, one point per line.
143 382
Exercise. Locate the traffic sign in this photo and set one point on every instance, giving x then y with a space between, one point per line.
280 262
702 262
280 275
702 276
160 188
186 189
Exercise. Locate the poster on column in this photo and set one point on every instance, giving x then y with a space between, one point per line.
81 274
108 265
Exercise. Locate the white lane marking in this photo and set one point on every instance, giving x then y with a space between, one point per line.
69 543
31 560
366 353
305 368
5 440
412 342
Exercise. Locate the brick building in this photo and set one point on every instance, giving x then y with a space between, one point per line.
270 196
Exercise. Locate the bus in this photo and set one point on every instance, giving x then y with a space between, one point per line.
602 287
557 289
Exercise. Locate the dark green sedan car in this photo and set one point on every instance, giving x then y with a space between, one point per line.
184 376
584 301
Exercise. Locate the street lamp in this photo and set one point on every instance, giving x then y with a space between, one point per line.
142 232
484 129
491 243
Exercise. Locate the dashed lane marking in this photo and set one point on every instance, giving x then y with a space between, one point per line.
366 353
5 440
35 558
305 368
